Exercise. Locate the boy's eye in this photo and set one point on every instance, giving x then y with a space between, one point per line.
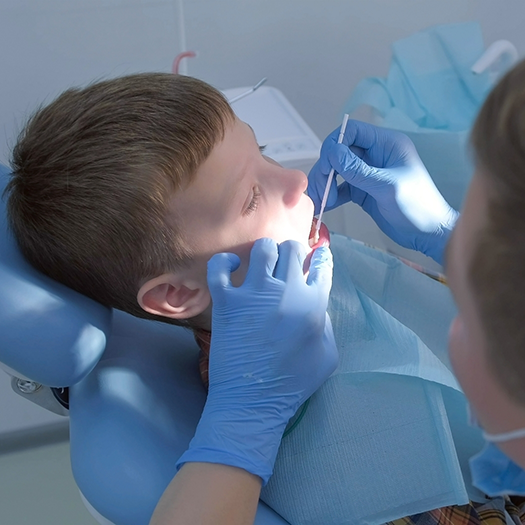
262 148
254 203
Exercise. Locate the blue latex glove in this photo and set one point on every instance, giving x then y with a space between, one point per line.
385 176
272 346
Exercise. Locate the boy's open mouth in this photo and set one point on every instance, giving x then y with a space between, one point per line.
324 235
324 240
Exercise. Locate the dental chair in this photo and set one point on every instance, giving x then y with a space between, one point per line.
130 387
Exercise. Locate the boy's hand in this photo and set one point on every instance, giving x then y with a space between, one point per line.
272 346
385 176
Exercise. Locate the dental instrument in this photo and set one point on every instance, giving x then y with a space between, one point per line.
329 182
251 90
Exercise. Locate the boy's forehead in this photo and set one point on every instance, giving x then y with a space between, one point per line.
228 154
232 152
219 178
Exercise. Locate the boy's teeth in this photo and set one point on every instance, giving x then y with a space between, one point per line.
312 238
317 236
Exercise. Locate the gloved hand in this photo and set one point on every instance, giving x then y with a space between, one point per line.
272 346
385 176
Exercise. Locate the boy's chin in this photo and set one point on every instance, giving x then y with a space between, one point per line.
323 240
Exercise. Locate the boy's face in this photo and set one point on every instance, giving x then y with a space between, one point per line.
237 196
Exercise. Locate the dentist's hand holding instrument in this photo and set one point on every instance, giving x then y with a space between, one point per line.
385 176
330 179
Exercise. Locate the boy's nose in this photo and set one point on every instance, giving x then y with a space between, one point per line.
295 183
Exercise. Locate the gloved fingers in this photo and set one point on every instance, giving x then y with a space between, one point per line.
328 143
331 201
394 232
331 358
356 134
289 266
354 170
360 152
348 193
321 271
322 167
318 176
322 359
316 187
220 267
386 147
263 258
362 134
317 181
369 204
363 199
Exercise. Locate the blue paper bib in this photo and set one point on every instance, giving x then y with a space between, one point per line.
386 436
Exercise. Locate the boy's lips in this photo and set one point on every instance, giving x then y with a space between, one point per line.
324 240
324 235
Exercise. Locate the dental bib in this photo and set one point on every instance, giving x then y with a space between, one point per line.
386 436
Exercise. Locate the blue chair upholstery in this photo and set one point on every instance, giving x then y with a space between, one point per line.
68 331
135 394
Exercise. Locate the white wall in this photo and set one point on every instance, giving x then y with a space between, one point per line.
315 51
50 45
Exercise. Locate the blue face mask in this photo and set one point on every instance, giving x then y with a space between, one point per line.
493 472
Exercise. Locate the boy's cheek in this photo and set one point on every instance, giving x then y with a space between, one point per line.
244 250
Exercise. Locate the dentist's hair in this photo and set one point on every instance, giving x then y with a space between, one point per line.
498 264
93 173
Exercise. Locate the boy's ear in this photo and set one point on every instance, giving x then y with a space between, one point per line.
173 296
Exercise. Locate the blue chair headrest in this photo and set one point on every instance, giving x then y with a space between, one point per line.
48 332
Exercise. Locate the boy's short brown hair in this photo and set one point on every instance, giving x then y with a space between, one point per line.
92 176
498 265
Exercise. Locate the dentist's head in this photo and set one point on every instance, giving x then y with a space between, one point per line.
485 266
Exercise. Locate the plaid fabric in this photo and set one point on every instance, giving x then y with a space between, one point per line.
515 506
490 513
203 339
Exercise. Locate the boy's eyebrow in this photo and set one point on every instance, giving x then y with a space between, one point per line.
236 186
